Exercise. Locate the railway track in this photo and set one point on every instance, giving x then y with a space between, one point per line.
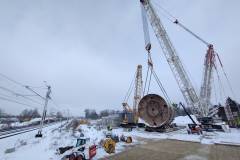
10 133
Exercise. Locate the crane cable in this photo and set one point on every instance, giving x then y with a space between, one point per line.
147 48
165 12
150 78
162 88
214 90
225 74
222 91
159 83
130 89
150 62
150 68
173 19
146 80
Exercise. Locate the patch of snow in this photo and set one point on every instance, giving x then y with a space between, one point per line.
32 149
194 157
19 124
3 126
184 120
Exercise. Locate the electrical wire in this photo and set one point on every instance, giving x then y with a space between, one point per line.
30 89
16 82
4 95
20 84
14 101
19 95
23 96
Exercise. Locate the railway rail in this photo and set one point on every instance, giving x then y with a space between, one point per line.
13 132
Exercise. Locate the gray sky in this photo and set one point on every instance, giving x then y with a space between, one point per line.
88 50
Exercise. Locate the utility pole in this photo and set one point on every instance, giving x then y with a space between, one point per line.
39 134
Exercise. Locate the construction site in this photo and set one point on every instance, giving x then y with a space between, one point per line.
160 112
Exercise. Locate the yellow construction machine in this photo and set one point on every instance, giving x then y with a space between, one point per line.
130 115
109 145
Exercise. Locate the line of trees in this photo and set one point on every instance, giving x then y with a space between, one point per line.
92 114
4 114
28 114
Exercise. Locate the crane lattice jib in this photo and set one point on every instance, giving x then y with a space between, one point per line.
138 88
173 60
206 89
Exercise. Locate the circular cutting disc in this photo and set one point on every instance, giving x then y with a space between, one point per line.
154 110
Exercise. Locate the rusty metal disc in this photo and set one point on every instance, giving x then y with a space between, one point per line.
154 110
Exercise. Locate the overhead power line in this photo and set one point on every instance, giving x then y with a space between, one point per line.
17 102
29 88
10 79
22 85
19 95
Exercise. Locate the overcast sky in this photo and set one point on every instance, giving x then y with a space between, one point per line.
88 50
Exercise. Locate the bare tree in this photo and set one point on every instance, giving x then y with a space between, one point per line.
28 114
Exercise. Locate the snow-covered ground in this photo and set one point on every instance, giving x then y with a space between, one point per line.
184 120
21 124
28 147
2 126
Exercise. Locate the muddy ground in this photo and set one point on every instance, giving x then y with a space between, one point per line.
177 150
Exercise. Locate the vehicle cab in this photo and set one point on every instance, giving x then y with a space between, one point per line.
83 150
